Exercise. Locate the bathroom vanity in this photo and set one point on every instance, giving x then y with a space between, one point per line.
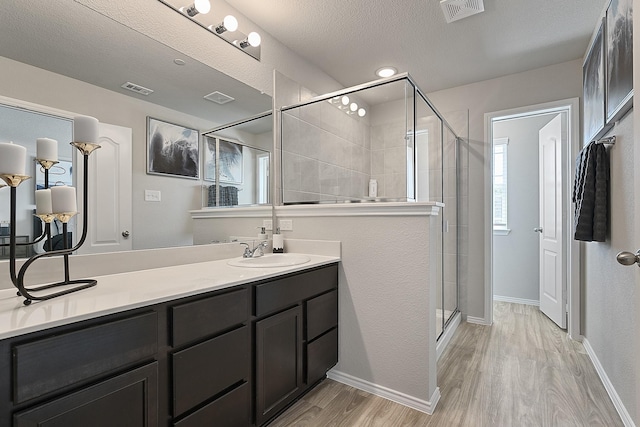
171 354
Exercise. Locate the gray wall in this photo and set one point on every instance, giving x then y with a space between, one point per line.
610 306
516 265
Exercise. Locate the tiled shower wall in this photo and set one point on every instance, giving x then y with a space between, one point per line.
389 158
326 154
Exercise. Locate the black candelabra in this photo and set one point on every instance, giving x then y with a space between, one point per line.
35 293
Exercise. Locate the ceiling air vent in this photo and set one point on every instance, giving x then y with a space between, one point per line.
458 9
137 88
218 98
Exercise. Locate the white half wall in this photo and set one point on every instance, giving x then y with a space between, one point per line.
386 295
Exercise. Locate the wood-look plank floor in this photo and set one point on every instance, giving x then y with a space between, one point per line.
522 371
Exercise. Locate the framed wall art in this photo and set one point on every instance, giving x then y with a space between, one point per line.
619 59
593 88
223 161
172 149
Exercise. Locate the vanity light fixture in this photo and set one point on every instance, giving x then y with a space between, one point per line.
198 6
253 39
345 104
228 30
230 23
386 72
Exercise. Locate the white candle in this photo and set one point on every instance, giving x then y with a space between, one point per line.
43 202
13 159
85 129
63 199
47 149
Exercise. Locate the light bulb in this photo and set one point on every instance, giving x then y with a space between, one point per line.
230 23
254 39
202 6
353 107
344 100
362 112
199 6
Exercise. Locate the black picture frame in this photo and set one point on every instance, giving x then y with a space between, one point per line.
172 149
593 88
619 59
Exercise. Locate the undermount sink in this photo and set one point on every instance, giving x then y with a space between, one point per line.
271 260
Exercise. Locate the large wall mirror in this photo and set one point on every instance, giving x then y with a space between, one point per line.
237 162
81 66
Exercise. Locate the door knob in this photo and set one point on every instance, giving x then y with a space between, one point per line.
126 234
538 229
627 258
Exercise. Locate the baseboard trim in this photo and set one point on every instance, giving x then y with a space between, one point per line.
478 321
450 330
517 300
613 394
395 396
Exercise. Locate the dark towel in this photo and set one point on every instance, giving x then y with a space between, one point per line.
591 193
228 196
212 196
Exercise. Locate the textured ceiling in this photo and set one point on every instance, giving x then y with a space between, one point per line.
347 39
350 39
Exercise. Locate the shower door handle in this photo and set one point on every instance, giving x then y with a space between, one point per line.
538 229
628 258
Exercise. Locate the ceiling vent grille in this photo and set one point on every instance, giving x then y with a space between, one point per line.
137 88
218 98
455 10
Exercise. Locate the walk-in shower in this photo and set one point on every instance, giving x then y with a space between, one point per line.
379 142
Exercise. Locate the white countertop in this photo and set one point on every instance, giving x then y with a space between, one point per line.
119 292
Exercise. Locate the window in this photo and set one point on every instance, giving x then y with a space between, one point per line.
500 183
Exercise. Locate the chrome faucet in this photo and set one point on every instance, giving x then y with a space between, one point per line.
255 252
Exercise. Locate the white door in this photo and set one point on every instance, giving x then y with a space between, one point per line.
110 213
552 261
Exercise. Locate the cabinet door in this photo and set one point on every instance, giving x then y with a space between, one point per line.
279 362
128 400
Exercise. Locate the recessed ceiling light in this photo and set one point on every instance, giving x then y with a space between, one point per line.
179 61
386 72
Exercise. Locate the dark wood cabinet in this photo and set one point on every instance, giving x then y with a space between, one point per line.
127 400
205 370
236 357
61 360
296 337
278 362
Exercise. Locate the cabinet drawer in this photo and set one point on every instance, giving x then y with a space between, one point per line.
322 355
128 400
290 290
322 314
231 410
206 317
52 363
206 369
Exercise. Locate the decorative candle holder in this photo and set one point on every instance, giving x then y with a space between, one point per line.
46 164
86 148
14 181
